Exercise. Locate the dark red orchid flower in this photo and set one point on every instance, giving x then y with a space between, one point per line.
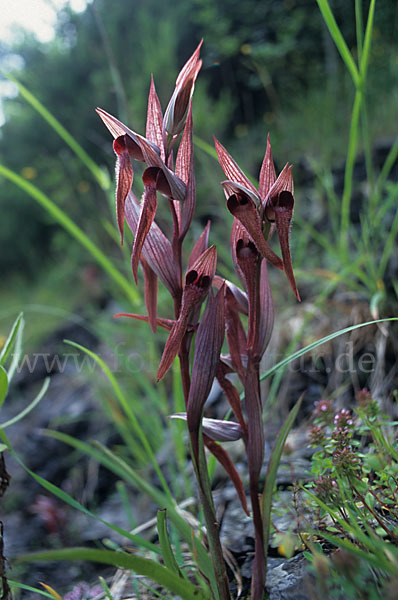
255 209
126 146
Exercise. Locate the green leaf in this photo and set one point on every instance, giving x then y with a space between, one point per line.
141 566
11 338
23 586
105 588
74 230
314 345
30 407
3 385
339 40
273 468
367 42
165 545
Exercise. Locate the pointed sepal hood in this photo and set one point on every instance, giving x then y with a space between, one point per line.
177 110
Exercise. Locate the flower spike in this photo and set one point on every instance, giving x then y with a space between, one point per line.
255 210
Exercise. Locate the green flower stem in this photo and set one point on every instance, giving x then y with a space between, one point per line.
348 176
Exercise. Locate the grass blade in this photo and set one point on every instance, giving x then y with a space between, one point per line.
3 385
28 588
273 468
74 230
6 349
30 406
100 176
367 43
314 345
142 566
349 173
388 248
388 165
165 545
339 40
105 588
17 350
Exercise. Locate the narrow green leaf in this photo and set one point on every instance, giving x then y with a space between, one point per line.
359 26
375 301
367 43
205 146
23 586
17 350
388 165
339 40
165 545
105 587
100 175
3 385
6 349
314 345
349 173
70 226
273 468
142 566
30 407
388 247
128 412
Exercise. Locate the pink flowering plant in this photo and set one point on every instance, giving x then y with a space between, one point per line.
168 154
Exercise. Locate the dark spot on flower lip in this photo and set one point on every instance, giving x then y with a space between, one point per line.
246 250
191 277
243 200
